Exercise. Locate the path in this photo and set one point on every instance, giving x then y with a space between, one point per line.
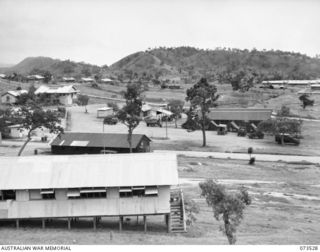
244 156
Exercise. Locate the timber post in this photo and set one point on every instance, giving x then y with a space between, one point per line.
69 223
17 223
95 223
145 223
43 223
120 223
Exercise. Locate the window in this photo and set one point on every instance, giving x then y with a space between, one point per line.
73 193
97 192
8 195
125 192
138 191
87 192
47 194
151 191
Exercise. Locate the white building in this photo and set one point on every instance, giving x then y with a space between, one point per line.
106 80
104 112
87 80
11 97
68 79
63 94
15 131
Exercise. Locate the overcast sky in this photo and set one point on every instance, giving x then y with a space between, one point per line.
103 31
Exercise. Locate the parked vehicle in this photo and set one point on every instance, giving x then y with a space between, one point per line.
111 120
222 129
153 122
242 131
256 134
167 118
287 139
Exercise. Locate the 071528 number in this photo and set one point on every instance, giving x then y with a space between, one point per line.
308 248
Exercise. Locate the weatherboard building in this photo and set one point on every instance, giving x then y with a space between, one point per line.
96 186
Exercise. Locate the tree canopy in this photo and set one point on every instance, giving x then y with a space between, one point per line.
83 101
281 126
33 117
176 107
129 115
225 205
202 96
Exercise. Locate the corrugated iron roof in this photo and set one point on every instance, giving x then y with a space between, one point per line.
97 139
42 172
240 114
87 79
16 93
104 109
56 90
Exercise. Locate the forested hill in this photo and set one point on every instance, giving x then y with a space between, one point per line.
190 61
185 62
38 65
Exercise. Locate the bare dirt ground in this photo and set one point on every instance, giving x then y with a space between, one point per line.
285 210
180 139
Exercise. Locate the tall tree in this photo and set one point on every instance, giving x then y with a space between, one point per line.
203 96
176 107
33 117
83 101
129 115
229 206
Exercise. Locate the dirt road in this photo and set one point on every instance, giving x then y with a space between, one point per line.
243 156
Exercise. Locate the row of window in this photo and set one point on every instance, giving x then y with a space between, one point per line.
83 193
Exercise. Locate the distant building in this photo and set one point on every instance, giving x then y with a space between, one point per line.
106 80
87 80
95 143
238 116
104 112
290 82
15 131
68 79
95 186
35 77
10 97
315 87
63 94
146 110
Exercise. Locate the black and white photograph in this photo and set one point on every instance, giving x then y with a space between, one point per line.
159 122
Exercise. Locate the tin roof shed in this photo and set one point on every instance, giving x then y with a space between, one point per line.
239 114
41 172
104 140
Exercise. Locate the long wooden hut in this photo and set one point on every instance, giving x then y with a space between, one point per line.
51 187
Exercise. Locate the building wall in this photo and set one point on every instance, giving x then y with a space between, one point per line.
7 98
66 99
17 133
113 205
72 150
